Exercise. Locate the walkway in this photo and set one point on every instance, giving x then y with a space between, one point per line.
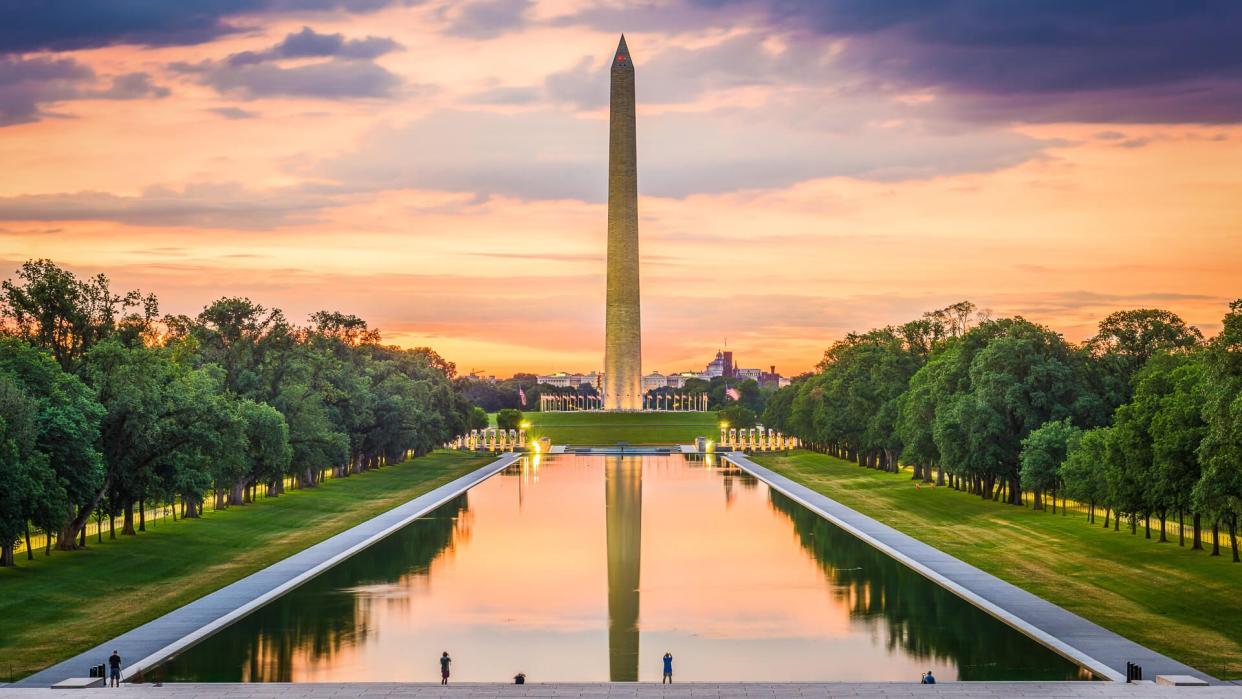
154 641
1084 642
697 690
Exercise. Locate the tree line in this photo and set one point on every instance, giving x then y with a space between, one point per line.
1143 420
105 405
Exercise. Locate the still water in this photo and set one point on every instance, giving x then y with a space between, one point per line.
590 568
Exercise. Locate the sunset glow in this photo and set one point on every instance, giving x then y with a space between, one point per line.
439 169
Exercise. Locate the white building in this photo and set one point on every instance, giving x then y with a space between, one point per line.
653 381
562 379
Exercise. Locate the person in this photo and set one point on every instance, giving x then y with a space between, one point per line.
114 669
929 678
444 667
668 668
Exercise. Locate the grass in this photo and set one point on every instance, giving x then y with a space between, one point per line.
1179 602
603 429
55 607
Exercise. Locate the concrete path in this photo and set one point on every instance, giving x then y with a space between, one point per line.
1084 642
871 690
154 641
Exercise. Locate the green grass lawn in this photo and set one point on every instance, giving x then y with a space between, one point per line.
604 429
54 607
1179 602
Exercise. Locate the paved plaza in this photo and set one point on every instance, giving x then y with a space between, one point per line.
641 690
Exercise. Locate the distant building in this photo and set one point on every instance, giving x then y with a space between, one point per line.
562 379
653 381
753 374
722 365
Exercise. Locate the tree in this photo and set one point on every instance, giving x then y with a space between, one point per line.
1018 381
478 418
1082 474
1043 452
1219 490
509 419
1177 430
50 308
66 431
737 416
1127 339
24 470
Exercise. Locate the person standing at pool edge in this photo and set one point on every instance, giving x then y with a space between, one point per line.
114 669
668 668
444 667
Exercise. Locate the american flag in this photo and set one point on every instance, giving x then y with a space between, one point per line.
733 393
522 396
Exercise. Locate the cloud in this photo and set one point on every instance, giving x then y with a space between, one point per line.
130 86
1108 60
234 112
547 154
64 25
226 205
349 72
308 43
487 19
28 85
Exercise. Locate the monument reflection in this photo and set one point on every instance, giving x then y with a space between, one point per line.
623 502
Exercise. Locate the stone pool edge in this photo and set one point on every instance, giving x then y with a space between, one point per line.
190 623
823 505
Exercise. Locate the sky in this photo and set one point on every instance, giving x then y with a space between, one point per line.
807 168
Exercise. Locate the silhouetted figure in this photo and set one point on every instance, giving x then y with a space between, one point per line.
668 669
444 667
114 669
929 678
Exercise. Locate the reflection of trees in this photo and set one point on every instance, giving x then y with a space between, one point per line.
923 619
323 616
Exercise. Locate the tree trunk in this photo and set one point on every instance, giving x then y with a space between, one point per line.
1233 536
939 475
1216 537
84 514
1107 512
29 551
1147 523
1197 541
1163 539
128 528
6 555
1037 502
1091 512
1181 528
142 514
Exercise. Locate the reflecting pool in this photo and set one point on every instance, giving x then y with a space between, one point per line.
589 568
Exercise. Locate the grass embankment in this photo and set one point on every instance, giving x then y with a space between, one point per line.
605 429
54 607
1179 602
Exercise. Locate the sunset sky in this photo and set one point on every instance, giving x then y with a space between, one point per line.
806 167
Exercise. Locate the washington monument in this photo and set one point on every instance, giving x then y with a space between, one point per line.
622 324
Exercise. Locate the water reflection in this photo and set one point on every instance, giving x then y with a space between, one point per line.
333 612
921 619
589 568
623 502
